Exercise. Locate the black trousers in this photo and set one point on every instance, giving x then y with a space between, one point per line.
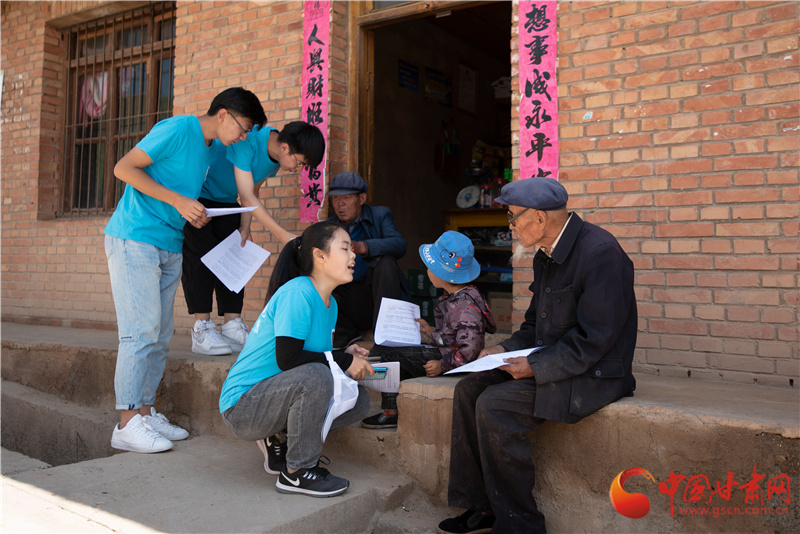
490 454
412 364
359 302
199 284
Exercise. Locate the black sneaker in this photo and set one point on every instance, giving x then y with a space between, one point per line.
315 481
470 522
380 420
274 451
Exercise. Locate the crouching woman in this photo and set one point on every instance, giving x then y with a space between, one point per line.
279 390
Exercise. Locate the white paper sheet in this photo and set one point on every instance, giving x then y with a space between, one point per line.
492 361
233 264
390 384
215 212
396 326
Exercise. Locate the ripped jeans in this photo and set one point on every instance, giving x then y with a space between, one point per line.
144 279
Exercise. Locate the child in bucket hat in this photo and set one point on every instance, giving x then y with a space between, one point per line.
462 319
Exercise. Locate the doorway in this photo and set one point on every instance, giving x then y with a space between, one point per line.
439 84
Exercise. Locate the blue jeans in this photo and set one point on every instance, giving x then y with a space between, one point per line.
144 279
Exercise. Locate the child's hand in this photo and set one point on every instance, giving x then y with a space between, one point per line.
424 327
433 368
358 351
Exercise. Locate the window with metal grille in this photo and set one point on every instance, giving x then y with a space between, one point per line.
120 80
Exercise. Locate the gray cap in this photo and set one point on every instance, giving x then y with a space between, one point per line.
345 183
544 194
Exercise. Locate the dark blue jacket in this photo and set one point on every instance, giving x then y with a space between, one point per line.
583 311
382 239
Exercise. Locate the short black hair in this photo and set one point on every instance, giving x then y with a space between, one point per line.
304 139
241 102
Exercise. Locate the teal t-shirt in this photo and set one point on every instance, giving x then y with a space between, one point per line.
249 155
295 310
180 162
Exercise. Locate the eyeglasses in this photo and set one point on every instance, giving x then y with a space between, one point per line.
512 217
299 164
239 124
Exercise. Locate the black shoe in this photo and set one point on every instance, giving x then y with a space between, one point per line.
315 481
274 451
470 522
380 420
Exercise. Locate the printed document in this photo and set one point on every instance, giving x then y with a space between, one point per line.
390 384
233 264
492 361
215 212
396 326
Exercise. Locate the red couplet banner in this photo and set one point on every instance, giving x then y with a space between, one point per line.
314 98
538 107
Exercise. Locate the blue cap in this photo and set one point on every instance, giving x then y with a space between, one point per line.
345 183
451 258
544 194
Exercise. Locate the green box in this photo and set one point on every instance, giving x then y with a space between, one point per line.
420 285
426 305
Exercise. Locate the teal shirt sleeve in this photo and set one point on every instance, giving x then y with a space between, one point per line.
162 142
242 155
293 315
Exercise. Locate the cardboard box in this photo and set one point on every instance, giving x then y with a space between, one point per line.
502 305
426 305
420 285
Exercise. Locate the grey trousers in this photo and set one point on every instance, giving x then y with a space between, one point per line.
292 404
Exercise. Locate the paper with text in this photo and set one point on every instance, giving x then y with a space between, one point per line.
390 384
492 361
396 326
233 264
216 212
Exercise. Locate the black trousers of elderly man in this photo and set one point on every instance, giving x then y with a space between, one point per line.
583 317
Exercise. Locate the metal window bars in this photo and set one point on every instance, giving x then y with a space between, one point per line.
120 74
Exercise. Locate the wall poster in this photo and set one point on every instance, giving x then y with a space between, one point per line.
538 107
314 99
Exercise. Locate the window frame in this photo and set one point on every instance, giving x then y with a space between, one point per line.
103 190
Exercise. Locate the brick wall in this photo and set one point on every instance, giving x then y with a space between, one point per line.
679 134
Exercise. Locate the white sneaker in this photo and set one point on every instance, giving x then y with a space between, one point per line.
160 423
235 333
138 437
206 339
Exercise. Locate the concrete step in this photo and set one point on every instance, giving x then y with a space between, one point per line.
684 426
52 429
205 484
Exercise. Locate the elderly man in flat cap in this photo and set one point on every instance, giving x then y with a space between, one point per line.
378 245
583 318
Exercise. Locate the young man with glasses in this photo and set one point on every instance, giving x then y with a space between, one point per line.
164 174
235 177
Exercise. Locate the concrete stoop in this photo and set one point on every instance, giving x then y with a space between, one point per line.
684 426
205 484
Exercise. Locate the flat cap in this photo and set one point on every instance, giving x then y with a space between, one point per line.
544 194
345 183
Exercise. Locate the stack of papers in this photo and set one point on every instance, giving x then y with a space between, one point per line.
396 326
233 264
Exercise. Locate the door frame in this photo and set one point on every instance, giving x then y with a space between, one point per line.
363 21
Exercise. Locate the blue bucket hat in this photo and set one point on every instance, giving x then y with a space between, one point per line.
451 258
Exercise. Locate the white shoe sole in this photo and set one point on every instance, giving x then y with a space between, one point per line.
122 446
299 491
